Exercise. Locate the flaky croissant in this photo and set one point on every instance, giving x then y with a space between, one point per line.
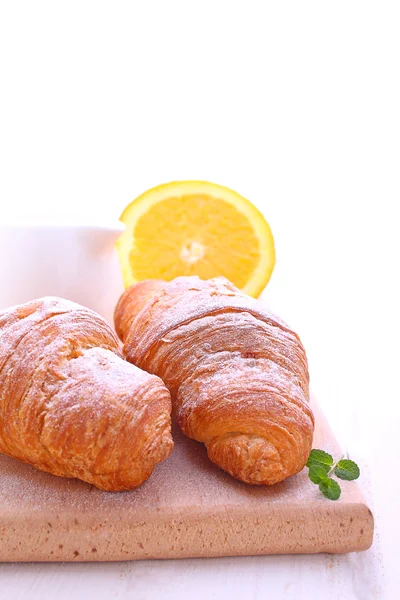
237 374
70 404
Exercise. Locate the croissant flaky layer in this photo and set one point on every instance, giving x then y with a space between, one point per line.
70 404
237 374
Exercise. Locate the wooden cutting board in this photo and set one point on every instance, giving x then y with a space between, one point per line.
188 508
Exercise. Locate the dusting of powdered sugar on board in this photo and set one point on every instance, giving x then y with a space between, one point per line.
187 479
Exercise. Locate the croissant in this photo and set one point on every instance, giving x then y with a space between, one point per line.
237 374
71 405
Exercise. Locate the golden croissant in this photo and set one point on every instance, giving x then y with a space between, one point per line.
70 404
237 374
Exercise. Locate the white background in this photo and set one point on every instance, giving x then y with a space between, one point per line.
295 105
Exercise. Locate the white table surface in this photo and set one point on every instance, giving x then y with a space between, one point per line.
300 577
295 105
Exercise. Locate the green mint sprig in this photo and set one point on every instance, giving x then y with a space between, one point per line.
321 467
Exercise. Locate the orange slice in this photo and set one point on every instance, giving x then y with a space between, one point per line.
196 228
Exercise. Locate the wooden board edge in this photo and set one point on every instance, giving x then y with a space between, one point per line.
334 529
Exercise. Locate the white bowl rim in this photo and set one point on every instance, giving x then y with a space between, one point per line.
117 226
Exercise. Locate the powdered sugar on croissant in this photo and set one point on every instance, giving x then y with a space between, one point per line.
237 373
70 404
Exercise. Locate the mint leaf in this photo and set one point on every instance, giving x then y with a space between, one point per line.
321 458
326 468
321 466
317 473
330 488
347 469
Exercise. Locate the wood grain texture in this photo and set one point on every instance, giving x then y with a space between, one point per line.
188 508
